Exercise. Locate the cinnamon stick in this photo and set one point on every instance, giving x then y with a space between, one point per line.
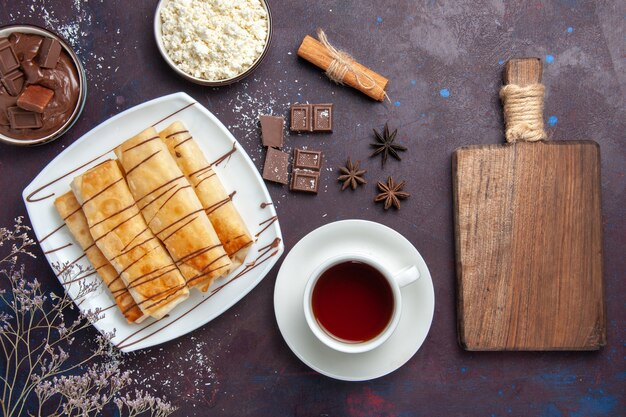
316 53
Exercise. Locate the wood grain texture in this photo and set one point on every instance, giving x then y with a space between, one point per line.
529 246
522 71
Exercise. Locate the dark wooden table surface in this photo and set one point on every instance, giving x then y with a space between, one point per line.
444 60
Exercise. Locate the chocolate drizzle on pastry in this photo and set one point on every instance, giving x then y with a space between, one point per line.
263 256
165 193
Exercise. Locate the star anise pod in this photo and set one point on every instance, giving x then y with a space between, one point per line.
351 176
391 193
384 145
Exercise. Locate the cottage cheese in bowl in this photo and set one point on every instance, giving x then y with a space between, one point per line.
213 40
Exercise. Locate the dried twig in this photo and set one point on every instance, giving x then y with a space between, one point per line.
35 340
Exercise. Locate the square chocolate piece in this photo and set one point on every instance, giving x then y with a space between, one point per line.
6 100
49 53
307 159
305 181
322 118
32 72
35 98
4 118
13 82
272 130
300 117
23 119
276 166
8 59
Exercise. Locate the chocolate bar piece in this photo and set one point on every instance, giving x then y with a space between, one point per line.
49 53
13 82
32 72
6 100
23 119
300 118
276 166
311 118
305 181
4 119
272 130
35 98
322 118
307 159
8 59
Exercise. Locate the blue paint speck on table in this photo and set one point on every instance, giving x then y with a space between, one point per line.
413 82
552 120
549 59
463 370
594 404
379 19
444 92
570 29
500 393
558 378
397 104
500 62
551 410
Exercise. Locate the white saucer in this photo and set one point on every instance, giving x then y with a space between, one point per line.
392 250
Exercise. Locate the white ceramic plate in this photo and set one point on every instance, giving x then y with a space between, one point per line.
392 250
237 173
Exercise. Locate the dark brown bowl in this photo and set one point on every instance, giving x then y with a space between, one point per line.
80 103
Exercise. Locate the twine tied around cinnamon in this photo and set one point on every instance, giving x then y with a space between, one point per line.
342 64
523 112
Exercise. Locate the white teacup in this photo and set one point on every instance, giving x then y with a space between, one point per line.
395 281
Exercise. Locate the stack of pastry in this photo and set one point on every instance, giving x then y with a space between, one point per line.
156 222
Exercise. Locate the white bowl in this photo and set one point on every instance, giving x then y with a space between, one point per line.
212 83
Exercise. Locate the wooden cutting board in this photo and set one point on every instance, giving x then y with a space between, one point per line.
528 227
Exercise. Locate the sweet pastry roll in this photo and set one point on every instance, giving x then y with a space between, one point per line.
129 245
172 210
217 203
72 214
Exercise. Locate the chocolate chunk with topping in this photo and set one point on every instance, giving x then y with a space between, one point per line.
49 53
23 119
26 46
4 118
322 118
305 181
35 98
311 118
6 100
276 166
272 130
13 82
307 159
32 72
8 58
300 118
